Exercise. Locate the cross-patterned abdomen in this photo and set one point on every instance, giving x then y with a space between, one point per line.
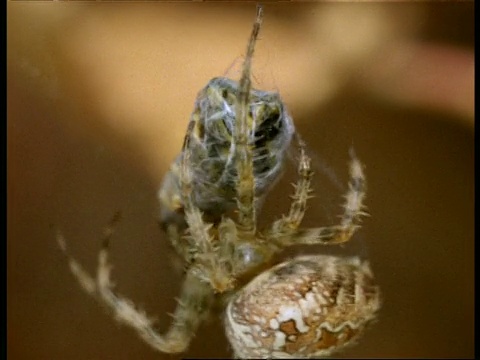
308 307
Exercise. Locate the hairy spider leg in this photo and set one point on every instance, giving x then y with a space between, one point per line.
288 225
193 306
206 263
354 210
245 186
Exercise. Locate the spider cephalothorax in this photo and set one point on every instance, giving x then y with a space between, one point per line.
308 306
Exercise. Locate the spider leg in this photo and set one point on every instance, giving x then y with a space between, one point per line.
193 306
206 263
290 223
350 220
176 240
171 216
242 150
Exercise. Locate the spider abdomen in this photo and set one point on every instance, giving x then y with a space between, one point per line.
310 306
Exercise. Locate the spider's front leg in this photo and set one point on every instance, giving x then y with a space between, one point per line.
206 263
350 220
289 224
243 154
193 305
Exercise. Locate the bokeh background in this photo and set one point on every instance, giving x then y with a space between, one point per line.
99 96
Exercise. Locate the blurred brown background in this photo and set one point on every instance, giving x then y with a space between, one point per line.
99 96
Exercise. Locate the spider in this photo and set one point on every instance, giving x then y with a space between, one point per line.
308 306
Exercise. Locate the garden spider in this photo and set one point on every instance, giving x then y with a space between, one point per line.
308 306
